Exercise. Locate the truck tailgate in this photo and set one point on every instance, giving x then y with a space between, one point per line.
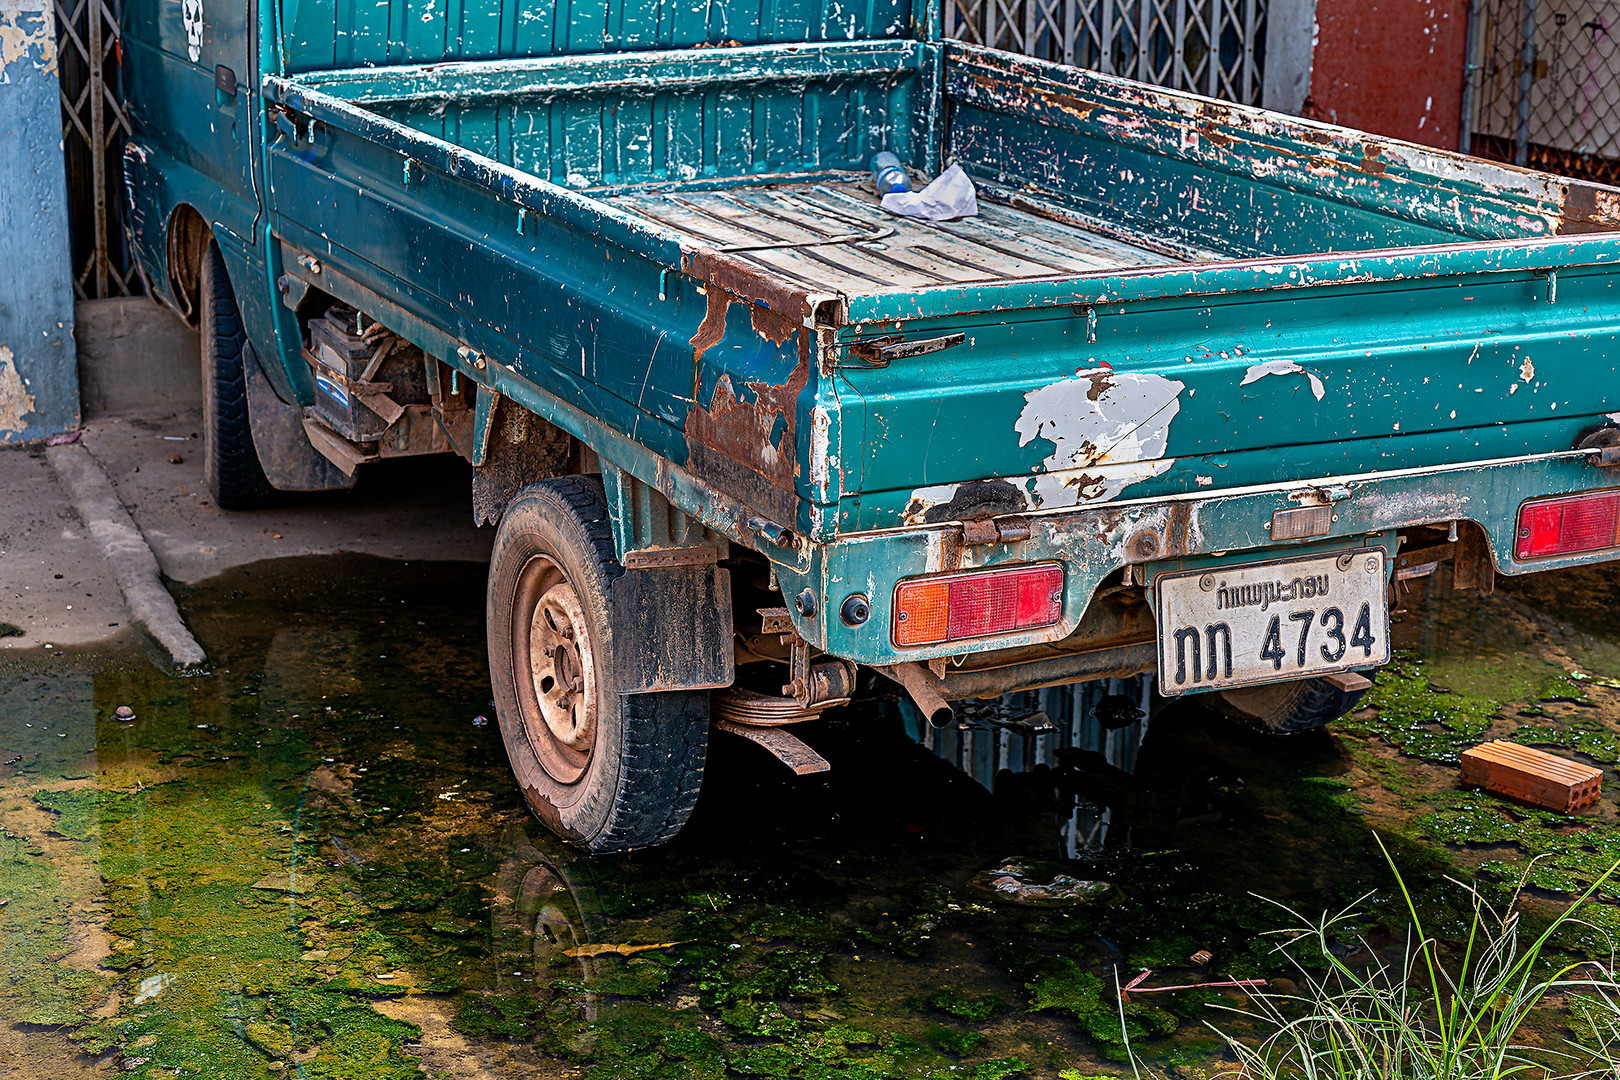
1252 373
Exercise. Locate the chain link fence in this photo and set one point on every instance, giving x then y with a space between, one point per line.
1547 86
1210 47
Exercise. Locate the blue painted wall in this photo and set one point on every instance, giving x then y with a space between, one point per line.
39 381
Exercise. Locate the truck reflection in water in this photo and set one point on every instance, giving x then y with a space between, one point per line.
1085 736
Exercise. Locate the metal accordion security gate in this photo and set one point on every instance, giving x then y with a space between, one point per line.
94 127
1210 47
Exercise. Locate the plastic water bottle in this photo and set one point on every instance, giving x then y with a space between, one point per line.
888 174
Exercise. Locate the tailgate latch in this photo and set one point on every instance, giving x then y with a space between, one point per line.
882 351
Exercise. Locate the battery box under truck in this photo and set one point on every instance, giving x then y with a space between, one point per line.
1193 387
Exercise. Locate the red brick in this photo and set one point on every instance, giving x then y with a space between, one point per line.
1531 776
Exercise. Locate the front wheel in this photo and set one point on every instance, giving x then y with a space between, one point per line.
604 770
1290 707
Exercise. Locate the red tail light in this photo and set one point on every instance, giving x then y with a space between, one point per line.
1574 523
935 609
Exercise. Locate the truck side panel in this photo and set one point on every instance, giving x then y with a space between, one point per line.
714 378
325 34
565 310
1233 179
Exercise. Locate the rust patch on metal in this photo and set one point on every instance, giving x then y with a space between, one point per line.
1086 485
1587 208
710 331
1101 381
748 284
1370 153
1214 134
743 430
771 325
1068 103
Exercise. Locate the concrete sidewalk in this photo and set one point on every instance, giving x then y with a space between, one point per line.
140 370
58 590
405 509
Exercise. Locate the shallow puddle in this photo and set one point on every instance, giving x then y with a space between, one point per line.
310 861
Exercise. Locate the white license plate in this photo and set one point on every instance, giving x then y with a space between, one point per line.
1267 622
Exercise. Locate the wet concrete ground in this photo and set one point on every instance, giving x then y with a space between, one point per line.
309 860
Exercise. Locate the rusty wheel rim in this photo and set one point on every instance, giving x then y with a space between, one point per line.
555 670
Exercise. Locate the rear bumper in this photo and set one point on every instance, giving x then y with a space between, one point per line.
1176 532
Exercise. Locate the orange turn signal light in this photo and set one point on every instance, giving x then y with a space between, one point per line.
951 607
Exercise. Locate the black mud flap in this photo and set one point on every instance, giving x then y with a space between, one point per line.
672 624
290 463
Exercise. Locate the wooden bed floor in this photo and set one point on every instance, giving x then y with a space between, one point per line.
834 237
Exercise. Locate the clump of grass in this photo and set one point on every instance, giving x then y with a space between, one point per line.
1433 1012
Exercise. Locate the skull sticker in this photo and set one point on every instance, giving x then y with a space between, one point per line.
191 14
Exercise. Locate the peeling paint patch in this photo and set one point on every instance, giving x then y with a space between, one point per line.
1527 370
1108 430
27 36
15 400
973 501
820 466
1257 372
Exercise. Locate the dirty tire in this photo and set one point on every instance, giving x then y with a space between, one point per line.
230 462
1289 707
628 775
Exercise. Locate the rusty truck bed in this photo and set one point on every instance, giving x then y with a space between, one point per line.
835 237
1162 296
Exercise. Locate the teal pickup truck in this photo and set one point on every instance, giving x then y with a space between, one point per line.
1193 387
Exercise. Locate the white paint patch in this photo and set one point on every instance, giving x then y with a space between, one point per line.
1527 370
820 461
1108 427
191 17
15 400
1109 430
1257 372
151 987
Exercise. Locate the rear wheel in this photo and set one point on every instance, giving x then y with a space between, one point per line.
607 771
230 463
1289 707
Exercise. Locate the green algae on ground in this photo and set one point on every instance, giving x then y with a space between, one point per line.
336 842
1588 737
1061 985
1417 717
35 988
953 1041
974 1010
75 810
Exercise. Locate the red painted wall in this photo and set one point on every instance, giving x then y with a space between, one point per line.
1392 67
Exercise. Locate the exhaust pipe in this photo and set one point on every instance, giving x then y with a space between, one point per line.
924 689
